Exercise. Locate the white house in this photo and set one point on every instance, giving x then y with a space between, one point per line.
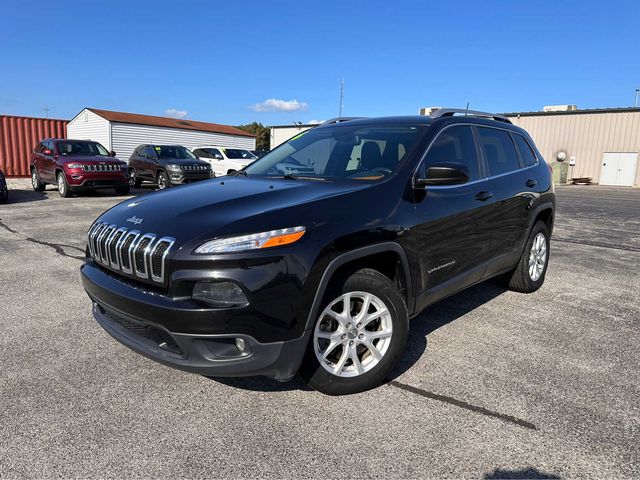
123 132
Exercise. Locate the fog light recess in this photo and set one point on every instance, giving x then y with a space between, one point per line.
220 294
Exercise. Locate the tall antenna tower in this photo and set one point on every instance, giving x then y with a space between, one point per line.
341 98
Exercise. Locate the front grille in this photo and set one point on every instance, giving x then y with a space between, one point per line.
194 168
129 252
101 168
159 337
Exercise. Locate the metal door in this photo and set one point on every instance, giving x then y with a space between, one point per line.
618 168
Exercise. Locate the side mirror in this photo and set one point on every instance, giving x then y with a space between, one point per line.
47 152
217 156
112 153
444 174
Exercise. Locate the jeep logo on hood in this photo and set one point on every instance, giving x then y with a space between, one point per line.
135 220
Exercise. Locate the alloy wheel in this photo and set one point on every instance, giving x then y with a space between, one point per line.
132 178
352 334
34 179
162 182
537 256
61 185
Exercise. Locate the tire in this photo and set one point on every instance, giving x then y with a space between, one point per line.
134 181
4 198
123 190
163 181
529 274
391 331
36 183
63 186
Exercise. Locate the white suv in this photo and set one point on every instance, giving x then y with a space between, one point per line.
224 160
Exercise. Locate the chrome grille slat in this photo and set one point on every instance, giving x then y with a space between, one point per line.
168 241
114 257
127 249
98 238
143 247
102 244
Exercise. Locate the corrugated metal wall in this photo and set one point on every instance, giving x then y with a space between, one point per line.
125 137
18 137
585 136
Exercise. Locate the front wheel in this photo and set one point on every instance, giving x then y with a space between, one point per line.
63 187
359 335
163 181
37 185
528 276
134 181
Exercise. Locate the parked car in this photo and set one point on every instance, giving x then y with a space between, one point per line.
76 166
259 153
4 189
271 274
166 165
224 160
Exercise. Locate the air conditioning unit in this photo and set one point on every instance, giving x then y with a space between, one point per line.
428 110
559 108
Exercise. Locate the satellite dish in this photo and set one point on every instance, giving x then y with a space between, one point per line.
561 156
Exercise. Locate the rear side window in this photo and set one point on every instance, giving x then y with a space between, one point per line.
455 145
526 153
499 151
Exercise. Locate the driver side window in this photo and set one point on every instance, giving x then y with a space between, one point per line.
454 145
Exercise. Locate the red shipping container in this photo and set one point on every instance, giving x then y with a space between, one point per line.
18 138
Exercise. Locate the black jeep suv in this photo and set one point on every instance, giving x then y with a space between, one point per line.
319 273
166 165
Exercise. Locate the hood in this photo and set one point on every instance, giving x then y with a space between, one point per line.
88 159
206 207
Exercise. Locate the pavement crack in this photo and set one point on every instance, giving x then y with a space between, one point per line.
58 247
461 404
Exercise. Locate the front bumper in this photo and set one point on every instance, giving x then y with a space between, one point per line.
181 177
179 334
82 180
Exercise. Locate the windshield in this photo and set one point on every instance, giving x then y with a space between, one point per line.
363 152
238 153
72 147
174 152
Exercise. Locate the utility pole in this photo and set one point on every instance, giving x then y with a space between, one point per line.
635 104
341 97
46 111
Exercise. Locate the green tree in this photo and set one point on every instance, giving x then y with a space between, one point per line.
262 134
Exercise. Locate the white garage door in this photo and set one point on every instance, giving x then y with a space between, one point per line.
618 168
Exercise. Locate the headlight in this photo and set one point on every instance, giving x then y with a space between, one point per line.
173 166
74 165
255 241
220 294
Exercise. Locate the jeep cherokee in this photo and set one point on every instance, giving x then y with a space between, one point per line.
272 274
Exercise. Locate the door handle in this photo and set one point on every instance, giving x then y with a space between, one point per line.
482 196
531 183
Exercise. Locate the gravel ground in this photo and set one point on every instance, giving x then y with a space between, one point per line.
494 384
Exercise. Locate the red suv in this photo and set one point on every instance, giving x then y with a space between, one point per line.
77 165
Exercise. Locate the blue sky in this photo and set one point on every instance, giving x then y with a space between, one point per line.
239 61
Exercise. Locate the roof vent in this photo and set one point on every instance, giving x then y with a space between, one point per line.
559 108
182 122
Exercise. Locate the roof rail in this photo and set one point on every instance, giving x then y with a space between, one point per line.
450 112
337 120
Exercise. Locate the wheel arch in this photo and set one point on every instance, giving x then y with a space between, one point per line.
388 258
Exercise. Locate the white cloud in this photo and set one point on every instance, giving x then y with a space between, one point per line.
175 113
275 105
313 122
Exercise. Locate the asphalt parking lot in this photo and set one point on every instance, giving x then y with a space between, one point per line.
494 384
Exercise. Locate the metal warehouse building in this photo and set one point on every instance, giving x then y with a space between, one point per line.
602 144
18 137
123 132
281 133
